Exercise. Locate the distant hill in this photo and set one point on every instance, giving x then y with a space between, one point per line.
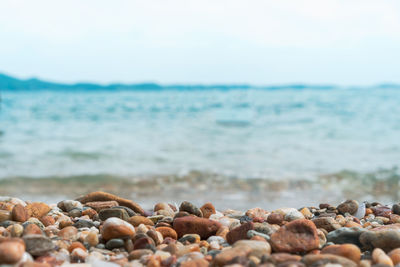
9 83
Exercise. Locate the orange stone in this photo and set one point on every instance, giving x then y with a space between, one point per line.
167 232
37 209
349 251
207 210
19 213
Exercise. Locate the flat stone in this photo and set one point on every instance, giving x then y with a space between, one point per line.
100 205
350 251
115 243
38 245
297 236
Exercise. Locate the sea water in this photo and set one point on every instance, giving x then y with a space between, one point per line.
250 133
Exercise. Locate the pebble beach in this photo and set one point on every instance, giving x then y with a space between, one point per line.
103 229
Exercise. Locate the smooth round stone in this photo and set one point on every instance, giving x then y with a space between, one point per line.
346 235
113 212
5 215
11 252
17 230
68 233
92 239
349 251
207 210
115 243
37 209
258 248
396 209
19 213
327 223
128 210
117 228
34 221
380 257
138 219
385 237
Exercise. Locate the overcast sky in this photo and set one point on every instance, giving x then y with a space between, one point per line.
205 41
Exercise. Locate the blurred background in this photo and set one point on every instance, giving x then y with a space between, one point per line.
242 103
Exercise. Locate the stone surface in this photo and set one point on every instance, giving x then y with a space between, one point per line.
117 228
297 236
258 248
69 233
100 205
346 235
228 255
167 232
380 257
195 225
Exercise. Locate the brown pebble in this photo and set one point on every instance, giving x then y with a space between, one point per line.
47 220
239 233
69 233
207 209
349 251
75 245
380 257
195 225
32 229
275 218
395 256
11 252
137 220
167 232
19 213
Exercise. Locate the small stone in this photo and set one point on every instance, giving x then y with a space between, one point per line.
75 245
190 238
167 232
257 213
239 232
89 212
349 206
104 214
37 209
277 258
297 236
195 263
327 223
79 255
32 229
275 218
11 252
71 204
75 213
17 230
306 213
382 211
156 236
350 251
92 239
69 233
190 208
38 245
195 225
103 196
115 243
19 213
144 242
137 220
207 210
117 228
380 257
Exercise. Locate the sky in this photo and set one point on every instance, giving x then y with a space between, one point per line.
259 42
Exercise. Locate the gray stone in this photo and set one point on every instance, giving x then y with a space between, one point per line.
38 245
113 212
346 235
114 243
190 208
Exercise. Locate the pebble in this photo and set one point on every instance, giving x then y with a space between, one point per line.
117 228
327 223
258 248
190 208
207 210
195 225
239 232
19 213
104 214
11 252
4 215
323 259
350 251
115 243
37 209
167 232
297 236
38 245
69 233
380 257
349 206
346 235
385 237
137 220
